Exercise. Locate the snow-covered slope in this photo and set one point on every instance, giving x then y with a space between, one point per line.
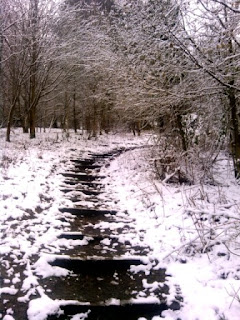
191 230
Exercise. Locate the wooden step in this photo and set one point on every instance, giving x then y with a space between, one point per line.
127 311
87 212
82 176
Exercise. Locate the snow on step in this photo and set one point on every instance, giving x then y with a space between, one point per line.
108 288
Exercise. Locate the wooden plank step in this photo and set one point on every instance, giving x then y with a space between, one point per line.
78 236
98 280
96 265
87 166
89 161
91 184
87 212
83 177
127 311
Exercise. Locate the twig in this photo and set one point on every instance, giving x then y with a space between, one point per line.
234 296
185 244
231 250
168 177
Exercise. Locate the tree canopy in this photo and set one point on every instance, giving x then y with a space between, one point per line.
101 65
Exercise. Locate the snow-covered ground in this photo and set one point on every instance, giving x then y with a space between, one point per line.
193 231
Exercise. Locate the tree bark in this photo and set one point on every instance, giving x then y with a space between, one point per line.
235 135
32 122
181 132
74 111
9 123
10 115
24 120
1 67
33 70
94 122
66 113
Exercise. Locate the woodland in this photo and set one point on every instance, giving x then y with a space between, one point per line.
100 66
155 86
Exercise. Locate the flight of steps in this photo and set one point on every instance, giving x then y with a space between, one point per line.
108 279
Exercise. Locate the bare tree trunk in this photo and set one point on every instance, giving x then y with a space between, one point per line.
235 135
74 111
33 70
44 121
66 114
1 67
25 123
94 122
181 131
9 122
10 115
32 122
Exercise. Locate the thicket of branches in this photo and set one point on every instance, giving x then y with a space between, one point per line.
101 65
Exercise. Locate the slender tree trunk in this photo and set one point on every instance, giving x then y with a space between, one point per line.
44 121
23 117
25 123
235 135
66 114
10 116
33 70
74 111
1 67
94 122
9 122
32 122
181 132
